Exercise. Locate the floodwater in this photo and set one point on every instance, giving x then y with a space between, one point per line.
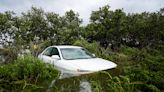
82 83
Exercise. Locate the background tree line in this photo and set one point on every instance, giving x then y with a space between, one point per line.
108 27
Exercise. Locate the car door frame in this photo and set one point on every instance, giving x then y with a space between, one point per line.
48 59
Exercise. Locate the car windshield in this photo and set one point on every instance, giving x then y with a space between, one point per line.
76 53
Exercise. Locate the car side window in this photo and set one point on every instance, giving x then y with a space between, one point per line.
48 52
51 51
54 51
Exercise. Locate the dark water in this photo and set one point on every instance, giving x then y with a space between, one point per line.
83 83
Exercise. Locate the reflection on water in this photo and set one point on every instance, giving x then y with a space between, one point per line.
82 83
67 78
85 86
2 59
66 75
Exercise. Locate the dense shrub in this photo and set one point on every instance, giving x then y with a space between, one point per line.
122 84
115 84
96 49
148 69
138 70
144 65
26 73
9 54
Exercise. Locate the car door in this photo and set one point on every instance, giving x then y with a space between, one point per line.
54 51
46 55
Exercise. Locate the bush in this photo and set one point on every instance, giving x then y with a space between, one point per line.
144 65
95 48
9 54
115 84
92 47
26 73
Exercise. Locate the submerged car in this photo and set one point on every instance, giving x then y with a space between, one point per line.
74 60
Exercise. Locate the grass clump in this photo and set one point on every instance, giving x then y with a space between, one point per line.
139 69
26 74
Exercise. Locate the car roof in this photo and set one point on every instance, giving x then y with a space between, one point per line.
66 46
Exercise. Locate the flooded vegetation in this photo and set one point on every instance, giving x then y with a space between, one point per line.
81 83
136 71
135 42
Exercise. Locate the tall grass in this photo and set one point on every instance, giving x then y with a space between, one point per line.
138 69
26 74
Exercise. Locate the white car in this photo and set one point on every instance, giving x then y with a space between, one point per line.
74 60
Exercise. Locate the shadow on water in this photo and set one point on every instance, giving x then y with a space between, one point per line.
82 83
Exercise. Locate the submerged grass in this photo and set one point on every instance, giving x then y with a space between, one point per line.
138 70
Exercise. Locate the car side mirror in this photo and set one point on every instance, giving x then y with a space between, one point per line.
55 57
94 55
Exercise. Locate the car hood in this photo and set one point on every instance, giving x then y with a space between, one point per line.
94 64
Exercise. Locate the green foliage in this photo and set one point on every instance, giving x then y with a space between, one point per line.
148 69
96 86
26 74
9 54
106 27
115 84
143 66
135 42
122 84
92 47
